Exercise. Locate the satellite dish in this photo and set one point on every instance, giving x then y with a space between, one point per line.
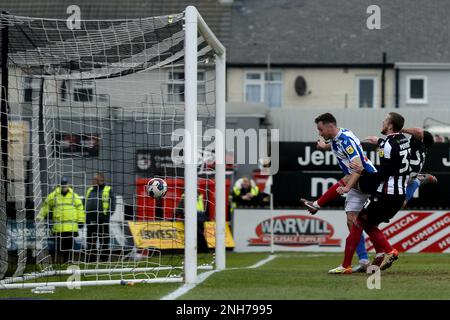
300 86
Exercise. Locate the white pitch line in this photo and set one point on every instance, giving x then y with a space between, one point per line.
202 277
262 262
312 255
187 287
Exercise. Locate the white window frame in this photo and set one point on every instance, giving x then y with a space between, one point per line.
375 90
410 100
170 81
259 82
262 82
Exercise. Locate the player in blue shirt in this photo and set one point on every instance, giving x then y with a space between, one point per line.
347 149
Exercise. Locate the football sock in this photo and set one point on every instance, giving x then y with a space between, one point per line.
351 243
411 188
330 194
378 239
361 249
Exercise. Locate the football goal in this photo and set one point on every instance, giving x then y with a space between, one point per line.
90 113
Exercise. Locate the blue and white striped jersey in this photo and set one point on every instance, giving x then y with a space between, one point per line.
346 146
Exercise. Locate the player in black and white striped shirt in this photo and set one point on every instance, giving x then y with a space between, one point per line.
393 173
387 188
421 141
395 151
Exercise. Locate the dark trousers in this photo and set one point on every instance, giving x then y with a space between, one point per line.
202 245
64 242
98 242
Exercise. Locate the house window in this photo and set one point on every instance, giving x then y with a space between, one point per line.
416 87
176 86
83 91
30 85
367 92
63 90
264 87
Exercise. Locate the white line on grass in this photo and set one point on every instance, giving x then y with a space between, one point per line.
258 264
187 287
262 262
313 255
203 276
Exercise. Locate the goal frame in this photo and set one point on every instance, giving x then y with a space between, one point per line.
194 25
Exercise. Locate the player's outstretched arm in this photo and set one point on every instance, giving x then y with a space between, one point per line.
415 132
357 167
352 178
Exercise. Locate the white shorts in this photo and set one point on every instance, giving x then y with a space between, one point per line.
355 200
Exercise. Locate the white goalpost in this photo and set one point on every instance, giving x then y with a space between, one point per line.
195 23
107 99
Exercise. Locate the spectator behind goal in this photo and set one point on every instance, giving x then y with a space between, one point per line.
245 192
202 217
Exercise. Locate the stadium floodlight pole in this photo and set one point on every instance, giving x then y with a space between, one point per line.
190 145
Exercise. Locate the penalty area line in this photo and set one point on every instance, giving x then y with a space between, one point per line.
203 276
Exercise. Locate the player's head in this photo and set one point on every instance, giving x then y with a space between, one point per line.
428 139
392 123
326 125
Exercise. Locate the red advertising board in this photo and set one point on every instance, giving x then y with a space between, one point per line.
149 208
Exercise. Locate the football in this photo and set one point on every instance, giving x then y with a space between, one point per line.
157 188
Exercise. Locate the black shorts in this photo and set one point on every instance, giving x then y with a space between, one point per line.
381 208
368 184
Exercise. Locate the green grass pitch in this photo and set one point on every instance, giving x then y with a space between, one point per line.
288 276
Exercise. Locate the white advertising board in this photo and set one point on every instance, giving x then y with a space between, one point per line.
297 230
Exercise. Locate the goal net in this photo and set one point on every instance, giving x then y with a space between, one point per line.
89 114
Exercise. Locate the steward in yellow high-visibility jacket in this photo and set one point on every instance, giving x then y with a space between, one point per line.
200 205
245 192
100 204
67 212
202 217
